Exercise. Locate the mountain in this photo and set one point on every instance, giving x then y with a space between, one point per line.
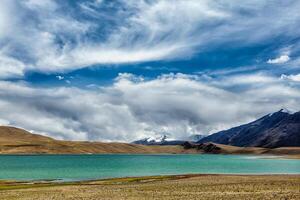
165 140
279 129
158 140
12 135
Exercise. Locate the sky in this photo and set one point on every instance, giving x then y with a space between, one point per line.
123 70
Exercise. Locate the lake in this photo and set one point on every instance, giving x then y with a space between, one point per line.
86 167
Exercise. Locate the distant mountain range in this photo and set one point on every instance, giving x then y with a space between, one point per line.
158 140
18 141
165 140
279 129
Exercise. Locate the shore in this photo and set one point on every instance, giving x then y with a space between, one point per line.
160 187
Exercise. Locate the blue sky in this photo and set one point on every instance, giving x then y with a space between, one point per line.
123 70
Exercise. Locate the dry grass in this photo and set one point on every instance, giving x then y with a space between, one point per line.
166 187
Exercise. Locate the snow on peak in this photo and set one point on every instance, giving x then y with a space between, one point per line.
284 110
160 138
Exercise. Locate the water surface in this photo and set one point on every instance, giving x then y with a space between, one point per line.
86 167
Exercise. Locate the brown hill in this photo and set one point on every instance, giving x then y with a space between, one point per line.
16 135
213 148
18 141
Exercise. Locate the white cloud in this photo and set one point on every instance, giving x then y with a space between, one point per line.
47 37
248 79
292 77
50 37
133 108
10 67
280 60
60 77
6 21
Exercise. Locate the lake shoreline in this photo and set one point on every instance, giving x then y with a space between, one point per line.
264 156
61 182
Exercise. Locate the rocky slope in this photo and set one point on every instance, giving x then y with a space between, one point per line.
279 129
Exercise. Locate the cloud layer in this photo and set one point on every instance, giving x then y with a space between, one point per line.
134 108
51 36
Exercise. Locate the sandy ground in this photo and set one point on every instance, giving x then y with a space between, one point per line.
161 187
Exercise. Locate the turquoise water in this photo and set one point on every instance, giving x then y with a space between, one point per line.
85 167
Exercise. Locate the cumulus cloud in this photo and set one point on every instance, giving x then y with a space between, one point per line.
48 36
134 107
53 37
281 59
292 77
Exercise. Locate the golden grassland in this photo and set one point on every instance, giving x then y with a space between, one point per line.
206 187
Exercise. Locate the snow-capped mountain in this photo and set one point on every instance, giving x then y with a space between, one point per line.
159 140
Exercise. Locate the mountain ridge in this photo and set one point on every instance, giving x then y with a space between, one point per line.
279 129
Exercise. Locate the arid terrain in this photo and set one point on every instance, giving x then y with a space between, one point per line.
18 141
161 187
